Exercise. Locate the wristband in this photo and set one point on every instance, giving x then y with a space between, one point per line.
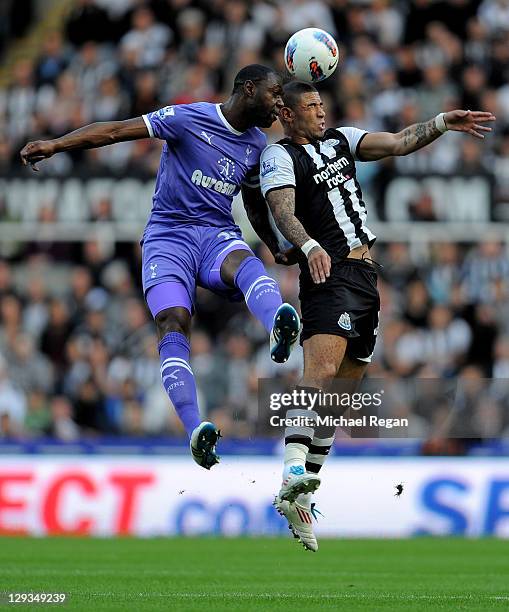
440 123
307 246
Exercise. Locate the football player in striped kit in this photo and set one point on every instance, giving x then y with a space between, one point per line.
309 182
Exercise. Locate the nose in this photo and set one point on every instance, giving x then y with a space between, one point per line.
279 103
320 113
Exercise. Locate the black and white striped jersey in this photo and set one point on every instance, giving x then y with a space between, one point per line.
328 198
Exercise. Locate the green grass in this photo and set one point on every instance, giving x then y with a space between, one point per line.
213 575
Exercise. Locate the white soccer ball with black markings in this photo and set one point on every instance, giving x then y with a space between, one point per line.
311 55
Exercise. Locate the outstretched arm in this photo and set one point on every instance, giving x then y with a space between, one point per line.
378 145
282 205
87 137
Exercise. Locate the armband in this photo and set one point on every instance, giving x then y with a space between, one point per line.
307 246
440 123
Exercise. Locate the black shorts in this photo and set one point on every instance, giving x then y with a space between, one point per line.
346 305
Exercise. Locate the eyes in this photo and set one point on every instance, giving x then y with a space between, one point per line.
314 106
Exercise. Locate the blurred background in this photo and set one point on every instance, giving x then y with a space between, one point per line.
79 369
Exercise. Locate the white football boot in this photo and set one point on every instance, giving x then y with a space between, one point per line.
300 521
298 481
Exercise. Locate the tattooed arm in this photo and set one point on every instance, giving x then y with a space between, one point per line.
383 144
282 205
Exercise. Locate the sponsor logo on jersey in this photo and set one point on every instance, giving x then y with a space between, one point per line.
226 167
207 137
198 178
167 111
268 166
332 174
226 170
344 321
328 148
153 269
331 142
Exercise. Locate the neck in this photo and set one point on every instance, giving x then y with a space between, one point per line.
235 113
300 140
297 138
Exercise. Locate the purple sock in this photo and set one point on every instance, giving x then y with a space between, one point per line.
260 291
178 379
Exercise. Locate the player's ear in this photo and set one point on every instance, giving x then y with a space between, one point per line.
249 89
286 114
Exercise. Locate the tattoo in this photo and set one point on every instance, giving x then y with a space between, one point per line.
282 205
257 213
419 135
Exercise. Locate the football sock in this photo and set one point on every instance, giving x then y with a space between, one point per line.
298 437
261 292
318 450
178 379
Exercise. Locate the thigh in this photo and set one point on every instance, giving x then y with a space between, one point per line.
171 255
360 349
222 247
168 294
326 310
346 305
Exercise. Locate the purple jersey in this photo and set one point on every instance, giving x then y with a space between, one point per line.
203 164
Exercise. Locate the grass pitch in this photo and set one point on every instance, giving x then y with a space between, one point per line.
212 575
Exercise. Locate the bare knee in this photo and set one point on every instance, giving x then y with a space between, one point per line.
176 319
321 376
231 264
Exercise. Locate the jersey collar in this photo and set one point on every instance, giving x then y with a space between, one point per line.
226 123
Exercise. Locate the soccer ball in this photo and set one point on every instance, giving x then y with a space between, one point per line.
311 55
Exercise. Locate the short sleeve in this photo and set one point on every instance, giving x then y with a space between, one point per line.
276 169
354 136
252 178
165 123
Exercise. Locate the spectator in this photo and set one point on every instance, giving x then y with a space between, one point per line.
82 306
62 425
53 60
147 39
87 22
12 404
56 333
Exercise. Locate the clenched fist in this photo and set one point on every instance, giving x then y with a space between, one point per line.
36 151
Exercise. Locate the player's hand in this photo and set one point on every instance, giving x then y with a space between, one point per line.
469 121
319 264
36 151
288 257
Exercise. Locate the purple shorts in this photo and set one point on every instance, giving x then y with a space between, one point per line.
187 256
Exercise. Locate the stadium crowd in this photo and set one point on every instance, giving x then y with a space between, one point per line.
78 352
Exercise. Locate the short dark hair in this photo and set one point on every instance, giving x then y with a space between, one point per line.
293 90
252 72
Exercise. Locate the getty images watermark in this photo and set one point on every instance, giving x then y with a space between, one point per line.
330 409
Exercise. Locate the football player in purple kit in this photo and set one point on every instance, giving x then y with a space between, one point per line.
211 153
